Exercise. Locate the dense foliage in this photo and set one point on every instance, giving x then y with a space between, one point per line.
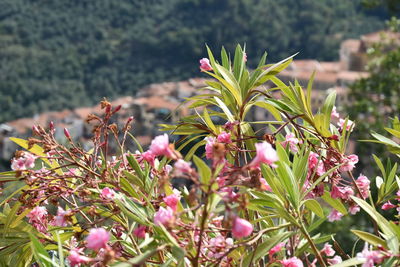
61 54
251 200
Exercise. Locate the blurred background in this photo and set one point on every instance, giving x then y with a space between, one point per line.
59 58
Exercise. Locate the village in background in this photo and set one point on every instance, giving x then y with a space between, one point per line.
161 103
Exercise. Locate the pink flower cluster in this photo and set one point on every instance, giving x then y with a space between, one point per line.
165 216
38 218
205 65
241 228
26 161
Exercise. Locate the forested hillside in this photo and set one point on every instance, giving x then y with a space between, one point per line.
57 54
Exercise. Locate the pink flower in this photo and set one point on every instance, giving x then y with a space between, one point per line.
342 192
292 262
60 219
164 216
26 161
173 199
327 250
265 185
140 231
314 162
182 167
205 65
230 125
349 163
353 209
244 57
224 137
363 184
334 216
275 249
160 146
370 256
97 238
388 205
264 154
75 259
241 228
38 218
107 193
292 141
335 260
210 141
149 157
349 126
218 246
334 114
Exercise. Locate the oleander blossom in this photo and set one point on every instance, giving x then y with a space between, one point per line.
173 200
335 216
38 218
388 205
370 257
334 114
363 185
224 137
97 238
349 126
314 164
264 154
335 260
107 193
164 216
349 163
140 231
205 64
182 167
274 250
61 218
76 259
160 146
210 141
241 228
292 262
218 246
327 250
26 161
292 141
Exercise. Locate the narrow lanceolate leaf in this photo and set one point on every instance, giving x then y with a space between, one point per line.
225 109
390 234
370 238
39 252
314 206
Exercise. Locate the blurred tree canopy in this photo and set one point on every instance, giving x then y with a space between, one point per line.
61 54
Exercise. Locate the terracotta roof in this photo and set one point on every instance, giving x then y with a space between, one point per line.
156 102
352 45
380 36
352 75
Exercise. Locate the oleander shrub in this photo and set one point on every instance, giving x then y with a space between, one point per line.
250 199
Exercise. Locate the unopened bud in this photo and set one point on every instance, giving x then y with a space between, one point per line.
334 137
67 134
35 130
117 109
51 126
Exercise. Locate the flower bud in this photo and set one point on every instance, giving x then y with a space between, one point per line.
67 134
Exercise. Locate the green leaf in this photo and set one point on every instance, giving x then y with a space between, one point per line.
335 203
315 207
203 169
349 262
39 252
263 248
370 238
389 234
225 109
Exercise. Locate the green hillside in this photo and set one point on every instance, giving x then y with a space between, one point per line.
57 54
